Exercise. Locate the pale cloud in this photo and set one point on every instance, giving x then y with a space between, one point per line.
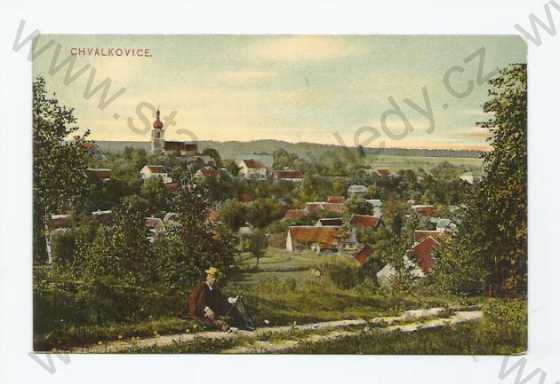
298 48
475 133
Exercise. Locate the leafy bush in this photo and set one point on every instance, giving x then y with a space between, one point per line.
457 271
60 303
504 323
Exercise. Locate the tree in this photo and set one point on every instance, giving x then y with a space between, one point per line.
263 212
397 224
59 162
358 205
502 195
214 154
233 214
257 244
393 250
156 194
195 243
232 168
494 230
122 250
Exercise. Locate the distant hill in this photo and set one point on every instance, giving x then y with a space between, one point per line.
232 149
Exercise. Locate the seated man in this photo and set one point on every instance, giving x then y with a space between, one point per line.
207 304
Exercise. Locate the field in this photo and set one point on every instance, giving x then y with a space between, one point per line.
394 163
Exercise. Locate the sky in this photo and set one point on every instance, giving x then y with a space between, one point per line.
321 89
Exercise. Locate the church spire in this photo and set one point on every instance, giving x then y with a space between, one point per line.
158 124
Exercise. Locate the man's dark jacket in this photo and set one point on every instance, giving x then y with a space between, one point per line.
202 296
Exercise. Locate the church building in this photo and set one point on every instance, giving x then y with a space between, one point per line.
159 144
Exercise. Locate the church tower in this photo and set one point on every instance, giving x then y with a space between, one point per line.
157 134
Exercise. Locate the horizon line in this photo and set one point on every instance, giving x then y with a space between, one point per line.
471 149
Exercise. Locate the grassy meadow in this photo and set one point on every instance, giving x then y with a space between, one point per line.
394 163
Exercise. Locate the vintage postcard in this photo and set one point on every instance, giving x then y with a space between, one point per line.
297 194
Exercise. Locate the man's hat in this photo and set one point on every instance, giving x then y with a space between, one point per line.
213 271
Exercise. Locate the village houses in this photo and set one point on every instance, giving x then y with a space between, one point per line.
288 175
149 171
252 169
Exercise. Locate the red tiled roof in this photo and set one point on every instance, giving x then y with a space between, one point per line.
101 173
208 172
424 253
420 235
424 210
384 172
336 199
365 221
288 174
318 207
180 146
155 168
294 214
253 164
325 236
363 254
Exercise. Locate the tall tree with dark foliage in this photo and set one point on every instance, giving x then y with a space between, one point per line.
59 162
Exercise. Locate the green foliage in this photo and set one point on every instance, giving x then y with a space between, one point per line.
315 188
390 248
472 338
122 250
157 196
59 162
357 205
232 168
504 323
233 213
63 244
257 244
344 275
194 243
263 211
457 270
214 154
495 225
61 301
119 276
80 335
283 159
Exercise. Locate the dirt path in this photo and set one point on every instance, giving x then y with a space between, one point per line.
408 321
287 345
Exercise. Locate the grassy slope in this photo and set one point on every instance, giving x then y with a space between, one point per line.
503 331
463 339
282 297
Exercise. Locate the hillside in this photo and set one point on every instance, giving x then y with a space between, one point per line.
231 149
